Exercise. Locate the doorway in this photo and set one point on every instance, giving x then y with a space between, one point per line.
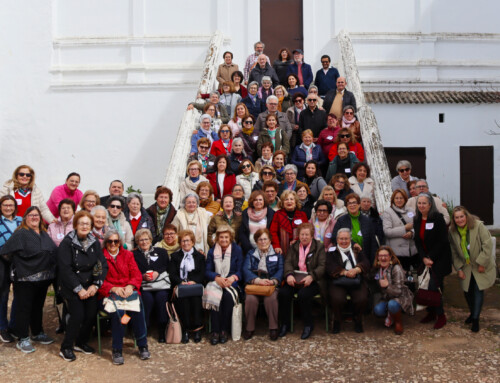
416 156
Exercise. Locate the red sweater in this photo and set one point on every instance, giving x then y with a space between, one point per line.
281 221
229 182
121 272
219 149
356 148
23 203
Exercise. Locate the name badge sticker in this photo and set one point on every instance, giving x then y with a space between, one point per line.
273 258
297 221
410 214
329 138
60 236
429 226
360 233
333 248
328 235
19 201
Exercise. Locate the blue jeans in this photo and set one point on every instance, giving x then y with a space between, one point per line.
474 298
381 308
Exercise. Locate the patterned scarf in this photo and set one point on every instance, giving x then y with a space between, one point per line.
308 150
161 216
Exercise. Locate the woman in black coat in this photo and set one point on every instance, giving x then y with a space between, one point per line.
187 266
81 272
431 239
259 215
153 265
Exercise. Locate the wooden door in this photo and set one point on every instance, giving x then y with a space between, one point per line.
416 156
281 26
476 181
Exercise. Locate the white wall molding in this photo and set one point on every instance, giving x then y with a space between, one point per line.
202 39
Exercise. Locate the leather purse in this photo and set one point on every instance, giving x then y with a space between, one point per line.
428 298
263 291
348 282
174 332
187 291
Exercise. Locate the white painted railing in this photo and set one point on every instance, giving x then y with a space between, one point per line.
372 143
176 171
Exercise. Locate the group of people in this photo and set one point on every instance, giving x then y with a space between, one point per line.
277 204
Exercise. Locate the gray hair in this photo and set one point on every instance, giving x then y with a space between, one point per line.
253 83
139 233
347 107
424 181
97 208
194 195
313 87
272 98
266 78
239 139
433 211
290 167
402 163
111 232
259 42
204 117
215 92
344 230
133 195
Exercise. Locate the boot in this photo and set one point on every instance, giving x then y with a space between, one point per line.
398 324
431 315
161 332
441 321
475 325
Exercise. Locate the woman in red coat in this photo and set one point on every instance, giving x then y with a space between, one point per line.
285 221
223 145
123 281
222 181
345 135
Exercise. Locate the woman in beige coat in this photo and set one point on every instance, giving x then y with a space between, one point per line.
471 249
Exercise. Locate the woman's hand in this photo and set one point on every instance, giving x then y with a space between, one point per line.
408 226
357 246
461 274
351 273
383 282
481 269
428 262
128 290
92 290
83 294
290 280
408 235
307 281
220 281
278 250
155 275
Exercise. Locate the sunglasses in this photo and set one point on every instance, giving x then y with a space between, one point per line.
348 113
224 131
114 241
312 100
325 62
321 211
248 122
404 170
267 173
115 206
344 135
24 175
246 166
298 100
204 147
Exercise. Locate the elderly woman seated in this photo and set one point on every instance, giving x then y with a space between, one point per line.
193 179
162 211
223 271
194 218
205 131
304 274
206 194
290 182
58 229
226 217
122 285
170 241
264 268
347 269
206 159
117 220
153 265
136 215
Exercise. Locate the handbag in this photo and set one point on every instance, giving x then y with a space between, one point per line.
160 283
424 296
348 282
174 332
237 318
114 303
263 291
187 291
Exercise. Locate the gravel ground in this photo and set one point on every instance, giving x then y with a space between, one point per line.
421 354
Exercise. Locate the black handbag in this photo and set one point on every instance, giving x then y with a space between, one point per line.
348 282
187 291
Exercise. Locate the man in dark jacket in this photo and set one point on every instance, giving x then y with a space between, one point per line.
263 68
326 77
337 99
302 70
253 102
312 117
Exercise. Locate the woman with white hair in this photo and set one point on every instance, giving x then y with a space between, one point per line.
403 167
205 130
192 217
238 155
136 215
313 89
193 179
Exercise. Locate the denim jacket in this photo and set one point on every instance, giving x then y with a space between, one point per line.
274 264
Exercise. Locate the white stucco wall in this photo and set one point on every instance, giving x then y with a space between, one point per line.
465 125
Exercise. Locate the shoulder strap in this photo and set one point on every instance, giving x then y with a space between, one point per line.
234 294
399 215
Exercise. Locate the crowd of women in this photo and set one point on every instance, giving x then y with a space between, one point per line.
258 223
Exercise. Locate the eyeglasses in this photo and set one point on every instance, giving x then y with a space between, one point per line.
33 216
248 122
224 131
312 100
272 103
192 169
352 203
186 241
344 135
267 173
322 211
114 241
204 147
348 113
9 205
169 234
88 202
325 62
246 166
144 240
237 191
420 186
24 175
340 182
83 224
404 170
262 239
115 206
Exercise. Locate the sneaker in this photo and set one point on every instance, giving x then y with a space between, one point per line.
117 357
25 345
42 338
85 348
388 320
6 337
144 353
12 333
67 354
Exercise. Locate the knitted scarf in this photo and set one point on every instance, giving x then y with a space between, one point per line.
347 123
356 229
247 131
161 216
170 248
463 242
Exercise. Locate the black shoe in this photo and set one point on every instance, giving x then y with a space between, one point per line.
67 354
273 334
223 337
336 327
60 330
85 348
185 337
144 353
468 320
475 325
283 331
306 333
249 334
358 327
161 333
6 337
197 336
214 339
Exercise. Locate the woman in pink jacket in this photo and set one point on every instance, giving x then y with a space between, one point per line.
68 190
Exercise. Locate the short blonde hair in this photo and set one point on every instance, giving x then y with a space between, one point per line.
224 229
284 196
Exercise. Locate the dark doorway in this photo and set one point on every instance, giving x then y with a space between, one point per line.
476 181
416 156
281 26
